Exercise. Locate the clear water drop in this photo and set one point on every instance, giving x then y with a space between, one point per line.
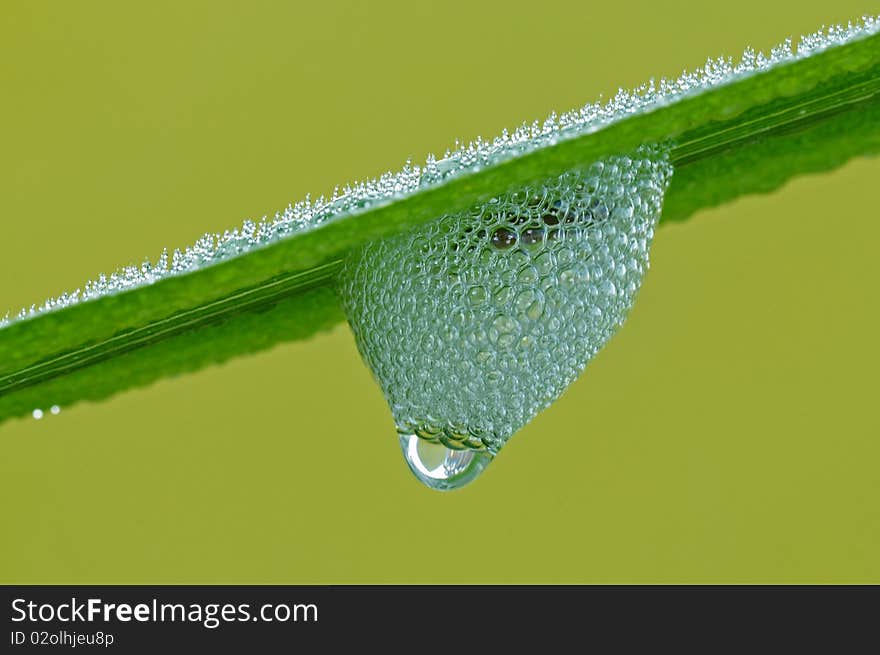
481 318
37 413
440 467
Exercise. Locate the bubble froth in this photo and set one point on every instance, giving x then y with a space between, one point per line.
470 334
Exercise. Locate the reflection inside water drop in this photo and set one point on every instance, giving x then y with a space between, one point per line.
440 467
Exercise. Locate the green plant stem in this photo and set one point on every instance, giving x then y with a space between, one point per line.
746 137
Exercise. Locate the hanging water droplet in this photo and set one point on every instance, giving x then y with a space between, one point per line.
37 413
475 322
441 467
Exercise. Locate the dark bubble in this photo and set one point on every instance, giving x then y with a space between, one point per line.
515 219
502 238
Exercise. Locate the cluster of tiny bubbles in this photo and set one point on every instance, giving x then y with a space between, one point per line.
476 321
358 197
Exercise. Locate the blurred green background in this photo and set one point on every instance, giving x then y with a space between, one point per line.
729 433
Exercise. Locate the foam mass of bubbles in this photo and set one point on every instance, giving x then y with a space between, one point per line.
475 322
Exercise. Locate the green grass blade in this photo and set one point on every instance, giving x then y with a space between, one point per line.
748 135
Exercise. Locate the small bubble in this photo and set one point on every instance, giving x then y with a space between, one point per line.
506 340
37 413
504 324
524 299
544 263
568 277
477 295
55 409
532 236
528 275
502 238
502 295
517 259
